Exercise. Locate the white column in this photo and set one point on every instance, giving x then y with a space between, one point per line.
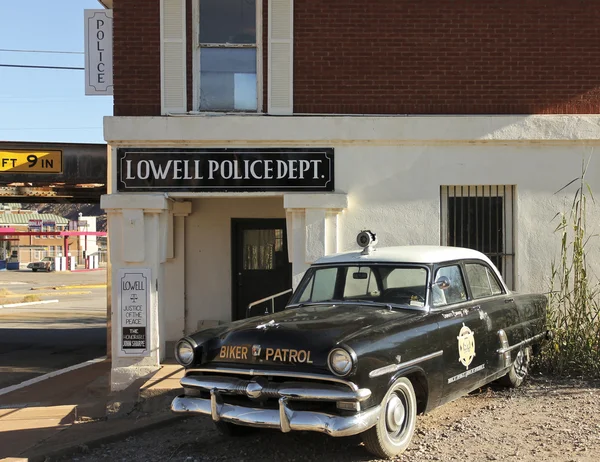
174 288
312 228
137 237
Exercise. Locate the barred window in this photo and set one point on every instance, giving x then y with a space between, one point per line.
481 218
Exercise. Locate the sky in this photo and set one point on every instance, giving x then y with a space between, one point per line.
47 104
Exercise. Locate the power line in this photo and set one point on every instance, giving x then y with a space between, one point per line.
43 51
44 67
49 128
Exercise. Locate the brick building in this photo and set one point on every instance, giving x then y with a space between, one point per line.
34 248
251 137
30 248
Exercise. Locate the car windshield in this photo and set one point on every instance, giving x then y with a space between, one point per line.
381 284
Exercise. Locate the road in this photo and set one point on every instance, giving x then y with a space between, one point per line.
41 338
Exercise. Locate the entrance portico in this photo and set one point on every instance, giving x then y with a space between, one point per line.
190 247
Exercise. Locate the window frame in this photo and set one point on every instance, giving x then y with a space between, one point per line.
340 280
508 193
503 289
196 50
466 286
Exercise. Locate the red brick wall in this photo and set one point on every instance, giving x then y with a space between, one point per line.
446 56
136 57
401 57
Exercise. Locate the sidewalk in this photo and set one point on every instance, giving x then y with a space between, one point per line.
60 414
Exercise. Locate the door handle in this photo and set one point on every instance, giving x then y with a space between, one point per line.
509 300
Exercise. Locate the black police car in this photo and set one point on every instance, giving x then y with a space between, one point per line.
367 341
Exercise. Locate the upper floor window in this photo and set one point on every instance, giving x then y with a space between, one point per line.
228 55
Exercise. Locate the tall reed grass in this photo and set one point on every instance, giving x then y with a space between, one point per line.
574 301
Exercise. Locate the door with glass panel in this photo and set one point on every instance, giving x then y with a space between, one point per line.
260 265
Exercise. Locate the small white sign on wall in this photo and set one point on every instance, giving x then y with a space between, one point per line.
134 311
98 52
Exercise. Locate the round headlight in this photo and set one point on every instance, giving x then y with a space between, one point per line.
184 353
340 362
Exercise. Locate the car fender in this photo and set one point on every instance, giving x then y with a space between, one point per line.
420 383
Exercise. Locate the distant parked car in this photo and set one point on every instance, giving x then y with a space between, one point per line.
45 264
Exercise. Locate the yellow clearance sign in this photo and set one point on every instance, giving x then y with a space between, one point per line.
25 161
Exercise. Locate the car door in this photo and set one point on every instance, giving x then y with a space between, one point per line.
498 310
462 332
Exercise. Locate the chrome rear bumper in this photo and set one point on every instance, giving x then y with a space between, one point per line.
283 419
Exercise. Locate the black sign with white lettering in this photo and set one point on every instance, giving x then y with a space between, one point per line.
295 169
134 338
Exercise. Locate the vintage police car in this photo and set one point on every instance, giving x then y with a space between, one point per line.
367 341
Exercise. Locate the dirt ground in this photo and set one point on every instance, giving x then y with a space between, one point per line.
545 420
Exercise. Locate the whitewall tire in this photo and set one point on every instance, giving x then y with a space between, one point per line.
395 427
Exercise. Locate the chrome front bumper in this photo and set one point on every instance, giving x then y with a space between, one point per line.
283 418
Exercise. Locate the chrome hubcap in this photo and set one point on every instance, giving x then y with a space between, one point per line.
395 413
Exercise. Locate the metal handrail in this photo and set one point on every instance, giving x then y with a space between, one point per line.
266 299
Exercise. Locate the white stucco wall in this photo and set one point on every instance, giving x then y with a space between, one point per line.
388 172
208 253
397 195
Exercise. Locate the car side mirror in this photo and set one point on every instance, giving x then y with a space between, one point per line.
443 282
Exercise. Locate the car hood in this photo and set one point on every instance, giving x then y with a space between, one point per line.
295 337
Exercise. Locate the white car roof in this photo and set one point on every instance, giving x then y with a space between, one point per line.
407 254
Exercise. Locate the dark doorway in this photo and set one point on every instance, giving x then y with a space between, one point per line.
260 265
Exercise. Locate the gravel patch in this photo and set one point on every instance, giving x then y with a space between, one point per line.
548 420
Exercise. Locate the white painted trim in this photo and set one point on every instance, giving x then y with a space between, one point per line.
290 42
337 130
165 110
269 20
259 57
49 375
146 202
315 201
41 302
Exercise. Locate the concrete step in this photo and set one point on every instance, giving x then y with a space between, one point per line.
22 428
157 393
